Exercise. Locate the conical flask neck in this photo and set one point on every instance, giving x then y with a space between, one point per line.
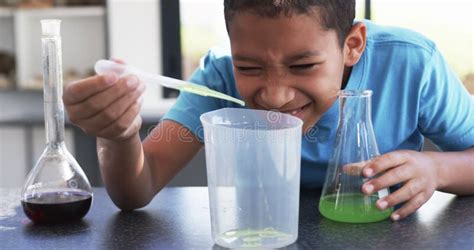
355 134
355 109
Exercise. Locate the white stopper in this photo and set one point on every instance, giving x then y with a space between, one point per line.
51 27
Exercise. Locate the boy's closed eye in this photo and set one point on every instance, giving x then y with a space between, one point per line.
296 67
301 67
249 70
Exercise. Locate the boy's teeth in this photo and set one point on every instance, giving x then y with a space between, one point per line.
294 112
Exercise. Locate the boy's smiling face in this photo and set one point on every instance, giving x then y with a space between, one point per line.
287 63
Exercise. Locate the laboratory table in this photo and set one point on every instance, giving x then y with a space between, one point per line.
178 218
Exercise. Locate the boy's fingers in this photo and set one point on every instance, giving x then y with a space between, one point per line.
410 190
105 99
354 169
411 206
118 60
79 91
384 162
393 176
113 111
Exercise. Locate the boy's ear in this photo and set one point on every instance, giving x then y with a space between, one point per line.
354 44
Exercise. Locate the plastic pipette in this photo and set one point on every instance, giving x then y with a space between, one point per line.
104 66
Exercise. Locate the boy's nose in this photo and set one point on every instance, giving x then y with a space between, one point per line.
275 97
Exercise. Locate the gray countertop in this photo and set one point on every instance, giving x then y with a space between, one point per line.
178 218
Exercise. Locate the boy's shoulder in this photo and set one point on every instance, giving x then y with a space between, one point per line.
391 36
218 57
216 71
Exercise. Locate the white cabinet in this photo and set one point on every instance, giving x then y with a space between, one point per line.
83 31
6 30
83 42
12 158
20 148
6 48
128 30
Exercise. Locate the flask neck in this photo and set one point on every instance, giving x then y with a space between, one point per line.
355 109
53 89
54 122
355 134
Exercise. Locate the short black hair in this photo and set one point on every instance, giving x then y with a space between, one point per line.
335 14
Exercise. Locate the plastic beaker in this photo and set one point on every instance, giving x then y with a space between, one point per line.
253 173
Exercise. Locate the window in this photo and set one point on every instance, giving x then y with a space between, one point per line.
202 27
450 24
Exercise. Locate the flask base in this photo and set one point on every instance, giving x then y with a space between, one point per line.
352 208
57 207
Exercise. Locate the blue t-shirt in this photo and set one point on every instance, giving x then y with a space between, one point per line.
416 94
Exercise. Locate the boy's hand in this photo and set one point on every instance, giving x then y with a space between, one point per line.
418 173
105 105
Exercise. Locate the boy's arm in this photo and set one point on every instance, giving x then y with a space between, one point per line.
455 171
133 172
108 107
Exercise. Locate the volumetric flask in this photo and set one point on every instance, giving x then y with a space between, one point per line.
56 189
342 198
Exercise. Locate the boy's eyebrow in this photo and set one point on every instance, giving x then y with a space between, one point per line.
245 59
291 58
302 55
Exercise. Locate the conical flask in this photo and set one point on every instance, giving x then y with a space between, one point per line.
56 189
342 198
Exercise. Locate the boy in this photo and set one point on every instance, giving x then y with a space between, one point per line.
294 57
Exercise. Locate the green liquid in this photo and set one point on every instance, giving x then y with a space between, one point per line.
205 91
353 208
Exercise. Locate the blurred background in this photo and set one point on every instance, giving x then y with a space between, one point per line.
161 36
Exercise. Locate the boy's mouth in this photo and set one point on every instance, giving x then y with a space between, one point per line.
298 112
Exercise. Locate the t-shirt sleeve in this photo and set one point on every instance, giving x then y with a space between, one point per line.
189 107
446 108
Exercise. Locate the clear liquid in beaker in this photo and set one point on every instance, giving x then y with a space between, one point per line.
267 237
